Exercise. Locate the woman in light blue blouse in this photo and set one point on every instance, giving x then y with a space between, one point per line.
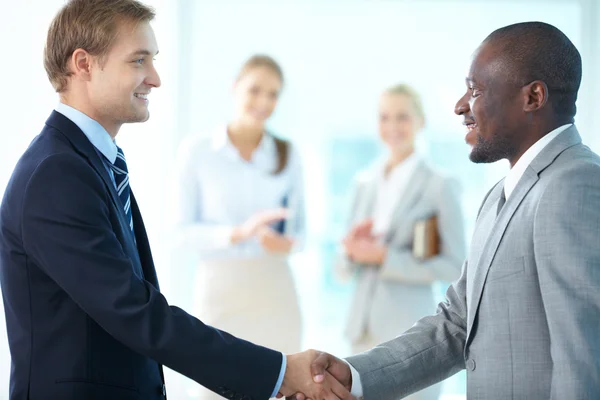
240 206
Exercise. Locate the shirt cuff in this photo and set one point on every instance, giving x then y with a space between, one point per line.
357 389
281 375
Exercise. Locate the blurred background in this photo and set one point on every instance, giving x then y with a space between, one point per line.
337 56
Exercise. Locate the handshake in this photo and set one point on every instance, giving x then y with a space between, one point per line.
316 375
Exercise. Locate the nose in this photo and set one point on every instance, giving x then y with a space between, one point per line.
153 79
462 105
265 102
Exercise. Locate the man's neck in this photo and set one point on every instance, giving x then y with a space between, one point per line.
84 108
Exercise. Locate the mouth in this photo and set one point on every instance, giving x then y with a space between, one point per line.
141 96
471 125
395 136
259 114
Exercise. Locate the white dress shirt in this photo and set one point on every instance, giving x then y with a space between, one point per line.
510 182
514 175
218 190
390 189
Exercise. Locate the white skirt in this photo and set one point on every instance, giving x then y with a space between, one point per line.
251 298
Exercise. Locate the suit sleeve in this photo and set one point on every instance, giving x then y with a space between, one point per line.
401 266
567 254
429 352
68 233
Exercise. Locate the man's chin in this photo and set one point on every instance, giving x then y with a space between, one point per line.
480 156
140 117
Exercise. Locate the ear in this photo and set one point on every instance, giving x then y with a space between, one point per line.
80 64
535 96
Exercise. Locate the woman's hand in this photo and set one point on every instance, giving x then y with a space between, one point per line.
257 222
273 242
366 251
362 246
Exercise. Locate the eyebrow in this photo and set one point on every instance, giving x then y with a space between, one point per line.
144 52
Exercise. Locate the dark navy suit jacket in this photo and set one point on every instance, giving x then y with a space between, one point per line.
82 322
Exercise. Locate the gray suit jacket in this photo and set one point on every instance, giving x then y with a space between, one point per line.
524 317
403 281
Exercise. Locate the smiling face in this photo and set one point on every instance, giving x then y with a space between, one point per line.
491 107
255 95
120 83
399 122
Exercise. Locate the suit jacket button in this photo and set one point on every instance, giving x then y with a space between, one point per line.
471 364
164 390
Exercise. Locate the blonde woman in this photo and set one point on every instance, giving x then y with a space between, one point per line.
241 210
394 287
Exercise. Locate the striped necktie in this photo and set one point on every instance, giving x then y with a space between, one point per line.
122 182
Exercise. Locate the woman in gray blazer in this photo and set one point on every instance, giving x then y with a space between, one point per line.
394 287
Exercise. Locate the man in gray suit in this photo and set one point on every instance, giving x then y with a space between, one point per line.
524 317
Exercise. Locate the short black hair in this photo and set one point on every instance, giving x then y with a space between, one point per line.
540 51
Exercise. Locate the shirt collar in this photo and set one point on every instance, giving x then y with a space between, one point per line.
401 170
262 154
95 133
516 172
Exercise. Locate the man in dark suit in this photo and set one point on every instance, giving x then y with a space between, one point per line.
84 313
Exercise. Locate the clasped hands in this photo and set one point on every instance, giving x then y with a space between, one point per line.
362 246
314 375
259 226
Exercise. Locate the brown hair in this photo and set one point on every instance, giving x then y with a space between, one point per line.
411 93
91 25
282 146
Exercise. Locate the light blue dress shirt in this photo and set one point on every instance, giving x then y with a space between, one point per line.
107 150
103 143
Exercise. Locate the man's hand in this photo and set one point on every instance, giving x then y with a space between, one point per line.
323 366
301 378
325 362
273 242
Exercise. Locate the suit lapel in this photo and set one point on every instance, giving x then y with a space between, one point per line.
413 189
483 260
84 147
495 236
144 253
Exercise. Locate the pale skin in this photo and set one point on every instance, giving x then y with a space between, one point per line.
255 96
399 123
113 91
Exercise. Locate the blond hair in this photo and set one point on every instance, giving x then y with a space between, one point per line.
411 93
261 60
91 25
